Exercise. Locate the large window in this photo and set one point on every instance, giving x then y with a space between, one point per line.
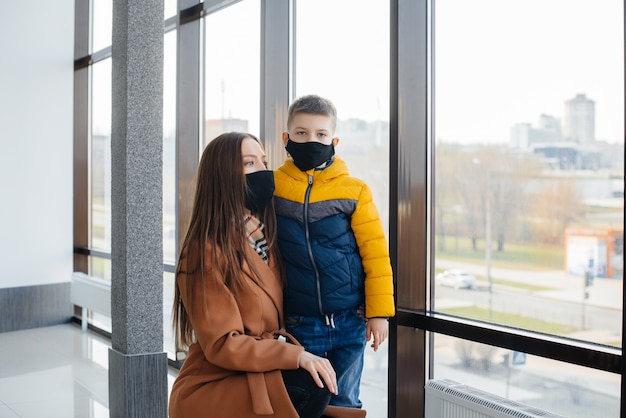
352 71
492 136
99 159
101 166
232 67
100 137
528 190
101 19
169 148
550 385
169 186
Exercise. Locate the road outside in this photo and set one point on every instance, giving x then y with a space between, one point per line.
539 382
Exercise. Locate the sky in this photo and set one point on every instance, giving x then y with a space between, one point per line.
497 62
524 58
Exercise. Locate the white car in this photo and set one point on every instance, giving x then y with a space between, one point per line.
457 279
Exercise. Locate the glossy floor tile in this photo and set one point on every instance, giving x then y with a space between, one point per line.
62 372
55 372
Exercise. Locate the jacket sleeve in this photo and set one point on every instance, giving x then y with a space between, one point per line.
370 236
219 328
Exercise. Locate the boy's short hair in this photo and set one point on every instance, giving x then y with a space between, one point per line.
312 104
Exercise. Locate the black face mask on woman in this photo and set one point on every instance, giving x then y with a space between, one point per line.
259 190
308 155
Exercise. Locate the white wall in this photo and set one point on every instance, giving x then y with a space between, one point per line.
36 128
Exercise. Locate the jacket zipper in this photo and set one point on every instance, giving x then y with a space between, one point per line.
307 194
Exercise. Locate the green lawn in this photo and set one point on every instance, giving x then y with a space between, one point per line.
517 256
517 321
519 285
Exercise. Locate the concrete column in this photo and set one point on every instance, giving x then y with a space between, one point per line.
137 362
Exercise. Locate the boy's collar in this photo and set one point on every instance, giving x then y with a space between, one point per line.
326 165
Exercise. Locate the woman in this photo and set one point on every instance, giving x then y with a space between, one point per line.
228 299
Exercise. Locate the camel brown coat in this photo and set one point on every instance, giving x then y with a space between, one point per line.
234 368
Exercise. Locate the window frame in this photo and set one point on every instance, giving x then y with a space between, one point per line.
411 168
410 200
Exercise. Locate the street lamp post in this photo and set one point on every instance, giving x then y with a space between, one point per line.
488 245
488 242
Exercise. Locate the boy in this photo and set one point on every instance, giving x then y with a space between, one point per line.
339 283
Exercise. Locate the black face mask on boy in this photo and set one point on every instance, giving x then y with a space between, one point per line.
308 155
259 190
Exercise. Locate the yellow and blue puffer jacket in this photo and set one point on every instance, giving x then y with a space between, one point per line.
333 243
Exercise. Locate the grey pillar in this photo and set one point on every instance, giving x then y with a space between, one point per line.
137 362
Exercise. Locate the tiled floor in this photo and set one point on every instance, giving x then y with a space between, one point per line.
54 372
62 372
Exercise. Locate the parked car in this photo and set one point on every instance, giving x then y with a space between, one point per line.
457 279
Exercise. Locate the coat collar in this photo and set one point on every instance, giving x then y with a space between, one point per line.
270 279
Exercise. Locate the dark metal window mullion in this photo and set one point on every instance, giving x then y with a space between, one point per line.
81 180
582 353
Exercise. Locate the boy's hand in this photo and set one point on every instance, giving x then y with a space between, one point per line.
379 329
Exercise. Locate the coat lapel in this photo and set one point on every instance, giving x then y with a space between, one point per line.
270 282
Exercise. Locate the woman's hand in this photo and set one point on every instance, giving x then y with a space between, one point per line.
319 367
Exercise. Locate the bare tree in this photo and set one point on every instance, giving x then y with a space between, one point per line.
446 194
485 184
555 206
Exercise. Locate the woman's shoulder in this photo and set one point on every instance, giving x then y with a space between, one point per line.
194 248
194 258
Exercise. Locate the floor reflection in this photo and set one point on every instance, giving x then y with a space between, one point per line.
52 372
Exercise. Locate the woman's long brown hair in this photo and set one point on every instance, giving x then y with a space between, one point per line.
217 218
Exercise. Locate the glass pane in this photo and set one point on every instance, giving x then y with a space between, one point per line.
169 187
102 24
100 268
232 89
101 156
169 343
101 321
169 148
352 70
529 193
169 8
560 388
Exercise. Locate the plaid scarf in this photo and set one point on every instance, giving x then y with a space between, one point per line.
256 238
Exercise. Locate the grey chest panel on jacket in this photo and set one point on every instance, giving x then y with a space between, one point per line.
316 211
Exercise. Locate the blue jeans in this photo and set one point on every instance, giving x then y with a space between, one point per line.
343 344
